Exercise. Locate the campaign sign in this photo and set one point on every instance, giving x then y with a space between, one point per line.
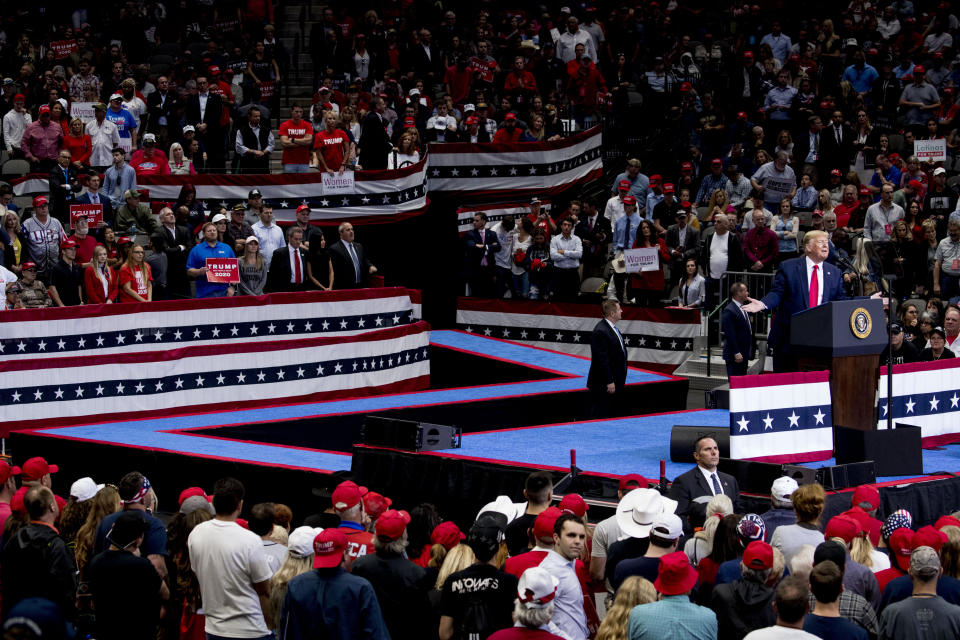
82 110
223 270
932 150
642 259
484 68
63 48
92 212
337 183
267 89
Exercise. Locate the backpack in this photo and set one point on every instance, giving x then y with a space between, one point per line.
477 622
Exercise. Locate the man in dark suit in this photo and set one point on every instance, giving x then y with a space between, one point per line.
608 362
836 144
162 107
472 131
203 111
478 259
64 186
737 332
176 244
93 196
374 142
808 150
351 269
596 235
288 271
682 241
800 284
692 490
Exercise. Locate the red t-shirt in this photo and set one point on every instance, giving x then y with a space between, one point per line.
359 543
137 283
331 147
85 248
843 213
297 155
156 165
504 135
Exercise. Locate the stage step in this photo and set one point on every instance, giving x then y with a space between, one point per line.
695 367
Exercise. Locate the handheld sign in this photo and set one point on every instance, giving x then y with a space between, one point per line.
638 260
223 270
92 212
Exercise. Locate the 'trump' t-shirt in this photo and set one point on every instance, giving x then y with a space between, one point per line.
296 155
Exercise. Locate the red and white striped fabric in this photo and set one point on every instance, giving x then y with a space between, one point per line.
781 418
495 213
925 395
516 170
658 339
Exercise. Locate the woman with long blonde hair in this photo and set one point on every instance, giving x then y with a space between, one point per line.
135 278
299 560
634 591
701 544
106 501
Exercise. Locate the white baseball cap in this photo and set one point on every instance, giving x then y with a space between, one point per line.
84 489
300 541
537 588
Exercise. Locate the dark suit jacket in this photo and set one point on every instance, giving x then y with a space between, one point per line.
374 143
597 248
108 212
801 147
608 362
737 335
169 110
211 116
344 276
691 240
832 155
278 278
482 135
691 484
734 253
62 197
790 294
473 256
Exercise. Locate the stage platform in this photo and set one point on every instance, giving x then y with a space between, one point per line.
521 408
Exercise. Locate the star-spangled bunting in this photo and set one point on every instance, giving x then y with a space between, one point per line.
206 332
527 170
202 380
567 336
921 404
786 419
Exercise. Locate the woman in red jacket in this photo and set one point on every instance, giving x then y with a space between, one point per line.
649 285
79 144
99 280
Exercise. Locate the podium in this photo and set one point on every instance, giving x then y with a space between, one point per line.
846 337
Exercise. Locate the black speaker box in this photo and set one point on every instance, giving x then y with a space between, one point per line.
753 477
718 398
844 476
803 475
683 437
896 452
408 435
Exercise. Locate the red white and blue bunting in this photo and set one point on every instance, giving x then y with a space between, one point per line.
925 395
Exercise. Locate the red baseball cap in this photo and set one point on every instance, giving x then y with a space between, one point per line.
409 122
448 534
391 525
656 178
836 172
716 162
916 185
346 495
191 492
741 115
686 166
866 494
624 184
748 55
213 70
635 480
685 204
6 471
303 207
39 201
946 521
44 108
758 555
69 243
685 87
629 200
917 70
29 265
843 527
328 548
669 188
36 468
575 504
864 191
901 544
546 519
375 504
16 501
472 120
510 116
929 537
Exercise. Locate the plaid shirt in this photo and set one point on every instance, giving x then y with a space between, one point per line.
709 185
672 618
856 609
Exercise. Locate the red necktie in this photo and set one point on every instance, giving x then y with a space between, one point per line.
814 287
296 267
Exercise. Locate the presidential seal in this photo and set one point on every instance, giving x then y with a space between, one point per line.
861 322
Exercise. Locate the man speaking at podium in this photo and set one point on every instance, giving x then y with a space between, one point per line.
800 284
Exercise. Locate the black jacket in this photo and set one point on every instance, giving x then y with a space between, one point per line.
63 192
737 336
608 362
401 591
35 563
344 275
374 142
278 278
692 484
211 115
734 253
742 606
168 109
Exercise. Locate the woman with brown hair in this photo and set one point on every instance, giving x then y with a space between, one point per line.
808 502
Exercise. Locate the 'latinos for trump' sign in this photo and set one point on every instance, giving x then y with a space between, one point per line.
932 150
638 260
223 270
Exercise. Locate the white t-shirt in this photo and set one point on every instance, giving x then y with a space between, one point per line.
276 554
6 277
719 255
228 560
780 633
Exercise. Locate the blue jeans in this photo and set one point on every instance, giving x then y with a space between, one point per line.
521 285
296 168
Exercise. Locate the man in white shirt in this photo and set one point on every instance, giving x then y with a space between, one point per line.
878 224
614 209
231 569
567 44
566 250
269 235
791 602
569 535
14 124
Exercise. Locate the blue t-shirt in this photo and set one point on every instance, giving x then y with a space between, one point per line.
154 540
833 628
893 176
198 259
124 121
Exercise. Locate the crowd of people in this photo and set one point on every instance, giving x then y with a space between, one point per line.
686 563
